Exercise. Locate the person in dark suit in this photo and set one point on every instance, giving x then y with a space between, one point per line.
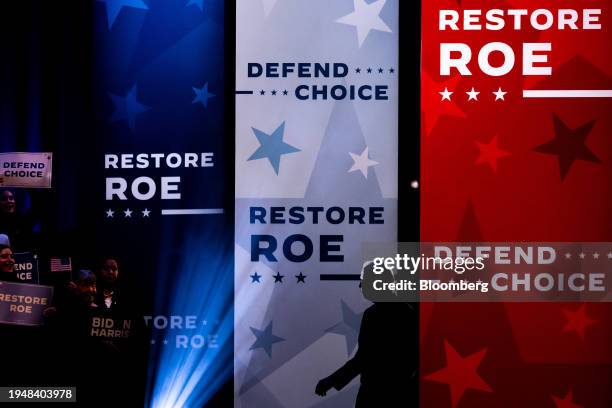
386 358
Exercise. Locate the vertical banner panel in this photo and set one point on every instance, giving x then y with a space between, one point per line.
316 176
158 199
516 100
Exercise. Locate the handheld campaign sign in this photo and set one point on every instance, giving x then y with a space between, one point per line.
30 170
23 304
26 267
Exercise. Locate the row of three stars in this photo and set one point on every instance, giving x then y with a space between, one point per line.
273 92
127 213
278 278
473 94
582 255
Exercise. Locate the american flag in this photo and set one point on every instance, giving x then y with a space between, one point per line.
61 264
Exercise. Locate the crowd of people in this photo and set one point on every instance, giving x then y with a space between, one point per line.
64 340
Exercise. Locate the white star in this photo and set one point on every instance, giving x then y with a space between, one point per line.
362 162
582 255
145 213
568 255
365 18
165 341
472 95
109 213
596 255
128 213
445 94
499 94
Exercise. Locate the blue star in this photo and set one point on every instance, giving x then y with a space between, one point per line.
301 278
272 147
199 3
278 277
113 8
202 95
348 327
126 107
255 277
265 339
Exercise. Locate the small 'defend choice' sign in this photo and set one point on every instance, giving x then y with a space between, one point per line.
29 170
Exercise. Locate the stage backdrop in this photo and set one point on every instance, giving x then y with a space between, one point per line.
316 175
518 150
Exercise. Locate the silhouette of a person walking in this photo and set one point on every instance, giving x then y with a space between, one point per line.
386 358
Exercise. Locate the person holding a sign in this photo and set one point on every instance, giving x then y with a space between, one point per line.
7 264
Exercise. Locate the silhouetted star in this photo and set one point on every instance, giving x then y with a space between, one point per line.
262 92
278 277
577 321
566 402
273 92
380 70
301 278
285 92
490 153
568 145
113 8
460 373
358 70
369 70
348 327
265 339
202 95
127 107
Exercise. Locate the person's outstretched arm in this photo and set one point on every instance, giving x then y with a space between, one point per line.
341 377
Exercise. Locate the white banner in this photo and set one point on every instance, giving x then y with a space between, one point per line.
316 176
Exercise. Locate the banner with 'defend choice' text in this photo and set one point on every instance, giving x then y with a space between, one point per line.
316 176
29 170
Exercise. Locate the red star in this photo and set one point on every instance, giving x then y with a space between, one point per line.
565 402
432 105
569 145
577 321
490 153
460 373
